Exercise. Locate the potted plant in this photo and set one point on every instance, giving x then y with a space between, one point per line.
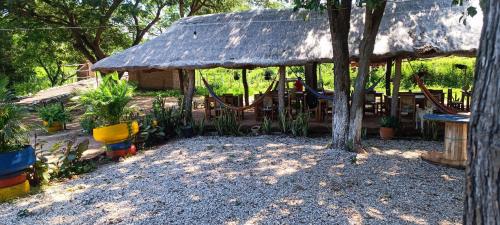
15 155
107 104
387 125
54 116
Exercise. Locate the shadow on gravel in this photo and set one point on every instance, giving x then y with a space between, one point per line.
258 180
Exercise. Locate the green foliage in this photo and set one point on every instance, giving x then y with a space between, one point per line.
389 121
300 125
107 103
53 113
161 123
266 126
284 122
13 131
227 124
88 123
199 126
70 163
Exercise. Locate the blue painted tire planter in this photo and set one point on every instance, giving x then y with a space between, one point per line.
16 161
119 146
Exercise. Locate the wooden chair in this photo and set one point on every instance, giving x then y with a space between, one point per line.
370 105
268 107
407 110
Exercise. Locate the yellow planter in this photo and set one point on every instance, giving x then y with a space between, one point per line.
56 126
115 133
15 191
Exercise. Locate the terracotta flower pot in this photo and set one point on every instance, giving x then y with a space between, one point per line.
16 161
54 127
386 133
115 133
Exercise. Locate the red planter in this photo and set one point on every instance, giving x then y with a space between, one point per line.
386 133
122 152
12 180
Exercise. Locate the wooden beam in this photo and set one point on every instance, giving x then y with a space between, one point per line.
281 90
395 91
245 86
388 71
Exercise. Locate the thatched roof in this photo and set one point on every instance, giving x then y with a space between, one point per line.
264 38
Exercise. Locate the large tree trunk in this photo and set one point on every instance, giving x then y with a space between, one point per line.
281 90
245 86
396 81
372 23
482 201
339 18
188 96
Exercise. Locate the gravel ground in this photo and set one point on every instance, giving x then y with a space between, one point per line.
255 180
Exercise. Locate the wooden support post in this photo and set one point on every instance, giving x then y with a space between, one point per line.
388 71
395 91
188 97
311 75
245 86
281 90
181 81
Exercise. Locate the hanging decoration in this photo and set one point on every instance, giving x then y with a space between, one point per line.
236 76
267 75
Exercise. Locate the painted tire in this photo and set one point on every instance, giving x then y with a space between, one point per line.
56 126
15 161
115 133
122 152
120 145
12 180
15 191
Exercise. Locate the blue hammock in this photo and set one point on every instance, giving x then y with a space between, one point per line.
316 93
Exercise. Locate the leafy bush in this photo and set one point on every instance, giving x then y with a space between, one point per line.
284 123
300 125
70 163
266 127
199 127
53 113
13 131
88 123
107 103
226 124
389 121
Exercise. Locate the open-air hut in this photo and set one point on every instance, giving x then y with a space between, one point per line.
265 38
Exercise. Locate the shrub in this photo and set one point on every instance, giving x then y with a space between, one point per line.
70 162
266 127
226 124
54 113
107 103
300 125
389 121
88 123
13 131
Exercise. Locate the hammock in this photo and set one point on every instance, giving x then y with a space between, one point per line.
316 93
222 103
430 97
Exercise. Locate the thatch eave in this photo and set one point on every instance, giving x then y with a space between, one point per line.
268 38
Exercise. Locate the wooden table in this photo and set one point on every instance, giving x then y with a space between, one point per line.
455 140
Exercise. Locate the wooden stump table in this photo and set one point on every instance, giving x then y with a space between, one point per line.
455 140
